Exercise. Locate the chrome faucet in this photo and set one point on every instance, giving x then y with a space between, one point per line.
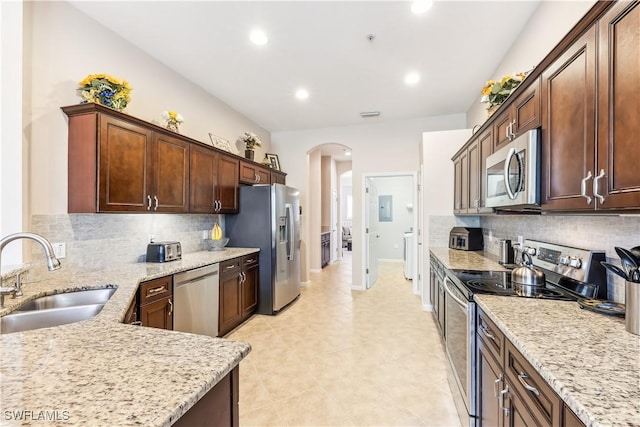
52 262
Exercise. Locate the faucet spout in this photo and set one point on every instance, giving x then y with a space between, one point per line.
53 263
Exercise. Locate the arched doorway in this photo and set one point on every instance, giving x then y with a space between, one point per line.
326 164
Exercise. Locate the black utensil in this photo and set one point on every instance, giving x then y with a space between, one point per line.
615 269
629 260
636 251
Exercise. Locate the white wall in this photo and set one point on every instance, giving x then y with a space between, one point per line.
376 147
551 21
391 242
66 47
13 172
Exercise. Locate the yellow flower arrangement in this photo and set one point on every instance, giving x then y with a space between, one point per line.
172 116
105 90
495 92
250 140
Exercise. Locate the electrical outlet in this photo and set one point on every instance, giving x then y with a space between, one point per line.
59 250
152 238
205 234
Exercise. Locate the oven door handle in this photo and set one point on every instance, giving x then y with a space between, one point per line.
455 298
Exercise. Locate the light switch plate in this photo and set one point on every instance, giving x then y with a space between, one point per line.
60 250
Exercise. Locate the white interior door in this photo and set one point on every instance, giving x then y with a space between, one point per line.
371 230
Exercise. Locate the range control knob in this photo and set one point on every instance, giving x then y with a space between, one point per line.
564 260
575 262
531 251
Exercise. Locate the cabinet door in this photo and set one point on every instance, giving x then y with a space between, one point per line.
501 126
518 414
264 175
227 191
619 107
250 291
131 316
278 178
203 172
158 314
525 110
248 174
490 383
230 302
485 144
568 126
570 419
170 174
461 183
474 176
125 166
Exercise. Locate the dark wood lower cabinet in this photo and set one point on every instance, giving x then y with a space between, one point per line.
157 314
217 408
509 391
239 281
325 248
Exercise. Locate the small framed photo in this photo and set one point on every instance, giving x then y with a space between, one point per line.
221 143
275 162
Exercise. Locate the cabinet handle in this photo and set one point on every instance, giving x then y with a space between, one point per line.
595 186
522 377
502 393
156 290
583 187
250 261
148 202
488 334
513 123
136 323
506 132
170 307
156 205
495 386
230 267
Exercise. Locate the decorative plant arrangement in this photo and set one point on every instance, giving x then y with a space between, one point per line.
496 92
173 119
251 141
105 90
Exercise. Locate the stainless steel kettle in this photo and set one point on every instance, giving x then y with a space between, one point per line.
527 275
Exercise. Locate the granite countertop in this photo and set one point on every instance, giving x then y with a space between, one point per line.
101 371
455 259
589 359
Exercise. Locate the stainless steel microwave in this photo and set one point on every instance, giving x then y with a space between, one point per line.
512 174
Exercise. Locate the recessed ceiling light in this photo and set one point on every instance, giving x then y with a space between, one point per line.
421 6
302 94
258 37
370 114
347 153
411 78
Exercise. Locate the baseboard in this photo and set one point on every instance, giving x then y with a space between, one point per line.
315 270
427 307
390 260
358 288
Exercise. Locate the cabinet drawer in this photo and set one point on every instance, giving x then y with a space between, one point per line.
231 266
250 260
544 404
491 335
156 289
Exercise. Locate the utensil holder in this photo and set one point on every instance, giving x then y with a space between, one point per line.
632 307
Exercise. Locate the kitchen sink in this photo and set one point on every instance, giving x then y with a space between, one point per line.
35 319
69 299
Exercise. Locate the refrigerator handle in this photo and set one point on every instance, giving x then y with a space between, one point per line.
289 214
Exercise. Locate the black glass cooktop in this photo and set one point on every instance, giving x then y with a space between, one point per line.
499 283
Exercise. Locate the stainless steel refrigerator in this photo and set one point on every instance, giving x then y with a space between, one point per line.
269 219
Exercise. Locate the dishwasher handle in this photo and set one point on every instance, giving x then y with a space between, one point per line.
185 277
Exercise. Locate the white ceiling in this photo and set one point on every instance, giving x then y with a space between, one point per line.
323 46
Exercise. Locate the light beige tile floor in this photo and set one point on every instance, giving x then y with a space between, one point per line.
338 357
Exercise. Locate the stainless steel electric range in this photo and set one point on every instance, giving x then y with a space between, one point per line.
570 273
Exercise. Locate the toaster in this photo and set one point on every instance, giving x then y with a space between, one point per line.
466 238
164 251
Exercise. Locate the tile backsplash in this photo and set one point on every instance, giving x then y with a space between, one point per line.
103 239
599 232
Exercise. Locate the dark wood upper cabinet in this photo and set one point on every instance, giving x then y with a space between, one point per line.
522 115
252 173
469 176
214 182
568 127
121 164
278 177
461 183
619 108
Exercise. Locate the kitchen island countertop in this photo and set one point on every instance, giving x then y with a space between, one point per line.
102 372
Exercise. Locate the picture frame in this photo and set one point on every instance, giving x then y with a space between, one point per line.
274 161
221 143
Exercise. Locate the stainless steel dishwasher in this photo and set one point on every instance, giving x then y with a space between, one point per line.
196 299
